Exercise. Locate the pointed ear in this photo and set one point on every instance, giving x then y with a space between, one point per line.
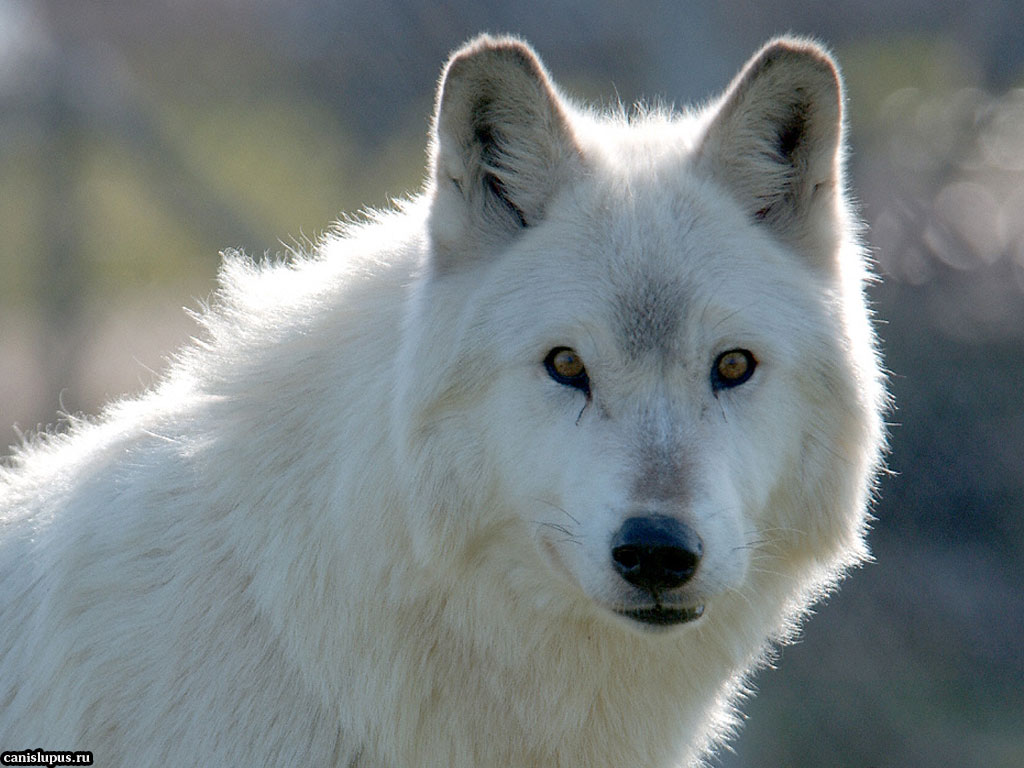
502 146
775 142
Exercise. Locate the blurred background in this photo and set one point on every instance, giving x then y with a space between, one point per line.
137 139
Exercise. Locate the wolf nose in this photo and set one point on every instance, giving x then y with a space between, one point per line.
656 553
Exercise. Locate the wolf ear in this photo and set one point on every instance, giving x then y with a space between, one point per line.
502 145
775 141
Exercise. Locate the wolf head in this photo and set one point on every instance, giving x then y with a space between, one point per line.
638 363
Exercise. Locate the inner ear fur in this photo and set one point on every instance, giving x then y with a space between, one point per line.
775 140
502 140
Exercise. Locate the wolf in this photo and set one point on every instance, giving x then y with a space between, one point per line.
532 469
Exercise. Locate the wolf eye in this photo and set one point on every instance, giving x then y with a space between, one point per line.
732 368
566 367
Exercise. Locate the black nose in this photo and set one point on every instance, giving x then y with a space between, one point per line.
656 552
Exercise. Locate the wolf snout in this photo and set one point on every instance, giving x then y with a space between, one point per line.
656 552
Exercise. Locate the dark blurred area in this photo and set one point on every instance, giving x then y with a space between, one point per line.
137 139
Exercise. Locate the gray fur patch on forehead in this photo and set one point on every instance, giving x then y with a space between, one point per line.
647 316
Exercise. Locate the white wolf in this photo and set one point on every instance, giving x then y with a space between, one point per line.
529 472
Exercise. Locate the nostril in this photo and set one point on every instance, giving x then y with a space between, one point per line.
627 557
656 552
678 560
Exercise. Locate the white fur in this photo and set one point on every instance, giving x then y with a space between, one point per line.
360 525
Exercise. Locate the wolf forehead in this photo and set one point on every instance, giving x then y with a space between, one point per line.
647 314
662 273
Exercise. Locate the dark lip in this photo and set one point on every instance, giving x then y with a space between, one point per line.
664 616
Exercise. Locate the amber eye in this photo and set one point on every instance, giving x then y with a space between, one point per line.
732 368
566 367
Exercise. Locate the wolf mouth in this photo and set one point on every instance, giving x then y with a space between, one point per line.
663 616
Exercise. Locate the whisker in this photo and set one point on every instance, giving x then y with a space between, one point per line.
567 534
560 509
